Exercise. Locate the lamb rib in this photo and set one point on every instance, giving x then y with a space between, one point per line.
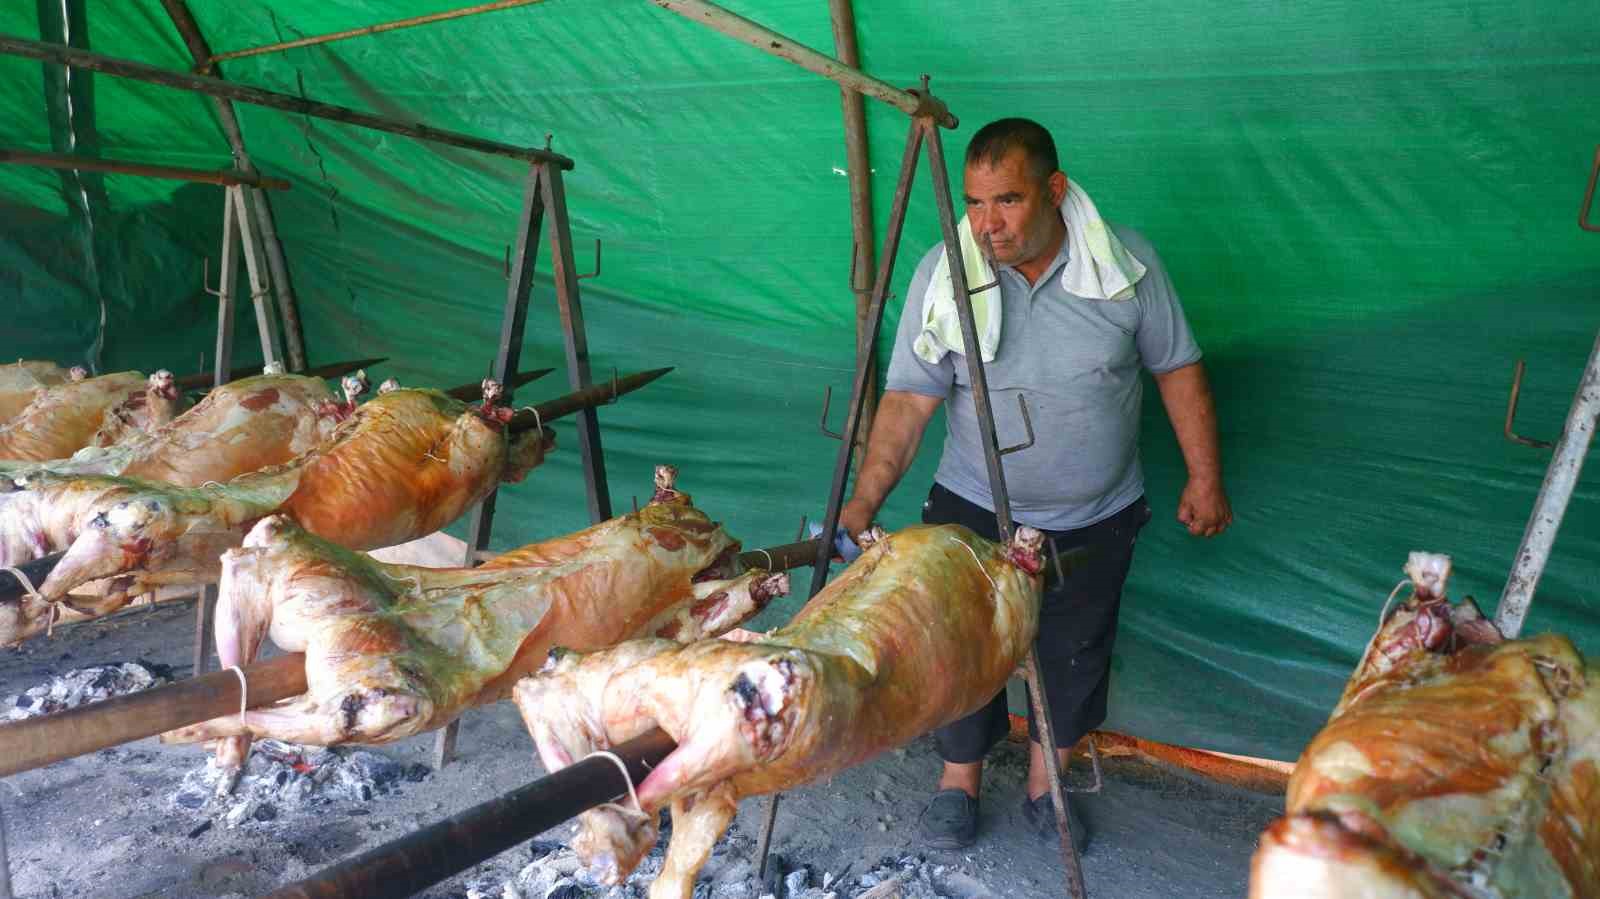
923 628
401 466
1456 764
394 650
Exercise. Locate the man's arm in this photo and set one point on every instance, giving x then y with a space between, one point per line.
896 433
1186 393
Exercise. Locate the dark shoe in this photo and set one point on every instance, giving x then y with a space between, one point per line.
1040 816
950 821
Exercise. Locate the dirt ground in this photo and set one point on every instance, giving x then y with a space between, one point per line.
119 823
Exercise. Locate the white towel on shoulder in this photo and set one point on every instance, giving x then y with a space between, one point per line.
1098 267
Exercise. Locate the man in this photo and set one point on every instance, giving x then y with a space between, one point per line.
1074 355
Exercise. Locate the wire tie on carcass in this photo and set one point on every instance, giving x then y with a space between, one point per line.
626 778
980 563
244 692
538 421
770 566
1384 615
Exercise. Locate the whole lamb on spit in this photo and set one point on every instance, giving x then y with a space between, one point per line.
22 380
924 627
402 466
239 427
1457 765
394 650
64 418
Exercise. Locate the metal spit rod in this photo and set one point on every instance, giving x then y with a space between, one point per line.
1560 479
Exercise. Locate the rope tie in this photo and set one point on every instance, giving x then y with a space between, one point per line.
626 778
244 692
1384 615
33 593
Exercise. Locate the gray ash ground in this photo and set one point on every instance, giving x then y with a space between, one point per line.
140 820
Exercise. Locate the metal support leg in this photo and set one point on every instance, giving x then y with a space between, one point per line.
1548 509
577 343
867 336
267 228
223 357
997 487
5 861
255 262
512 326
205 641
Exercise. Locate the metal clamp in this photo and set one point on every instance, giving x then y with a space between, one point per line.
596 272
822 421
1027 423
1516 391
1588 195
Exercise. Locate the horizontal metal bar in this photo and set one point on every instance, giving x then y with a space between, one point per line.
768 41
36 742
425 857
69 161
216 87
369 29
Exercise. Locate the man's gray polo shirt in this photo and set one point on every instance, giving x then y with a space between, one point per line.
1077 362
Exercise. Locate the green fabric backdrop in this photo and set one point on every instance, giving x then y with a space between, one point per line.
1367 207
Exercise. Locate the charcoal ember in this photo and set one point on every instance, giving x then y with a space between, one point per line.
82 686
282 780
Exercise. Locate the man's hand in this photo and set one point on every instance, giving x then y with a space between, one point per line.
856 516
1203 508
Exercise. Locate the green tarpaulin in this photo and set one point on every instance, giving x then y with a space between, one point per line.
1368 208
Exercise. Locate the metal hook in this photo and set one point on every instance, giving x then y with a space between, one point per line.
1511 410
1588 195
596 272
205 279
1094 763
855 260
1055 559
1027 423
636 504
822 422
801 534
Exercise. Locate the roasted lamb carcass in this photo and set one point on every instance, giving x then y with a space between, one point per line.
924 627
403 465
1456 764
22 380
393 650
66 417
239 427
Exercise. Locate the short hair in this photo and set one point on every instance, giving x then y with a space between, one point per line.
995 141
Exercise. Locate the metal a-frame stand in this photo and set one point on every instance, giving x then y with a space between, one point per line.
544 193
239 237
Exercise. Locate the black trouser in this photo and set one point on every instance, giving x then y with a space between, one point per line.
1077 626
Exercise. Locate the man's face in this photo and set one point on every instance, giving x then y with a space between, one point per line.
1018 212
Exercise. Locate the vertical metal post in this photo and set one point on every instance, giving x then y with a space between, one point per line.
858 163
864 374
256 267
5 861
1560 479
280 278
513 324
223 357
205 640
880 292
577 343
997 488
200 50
